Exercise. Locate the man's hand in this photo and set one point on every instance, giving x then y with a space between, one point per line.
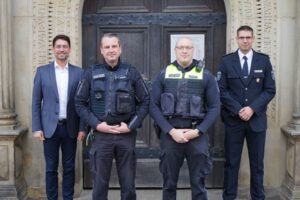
246 113
123 128
81 135
39 135
178 136
191 134
104 127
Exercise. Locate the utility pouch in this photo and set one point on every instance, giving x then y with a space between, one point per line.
195 106
124 103
167 103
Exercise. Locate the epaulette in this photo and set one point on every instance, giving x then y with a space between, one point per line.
97 65
228 54
263 54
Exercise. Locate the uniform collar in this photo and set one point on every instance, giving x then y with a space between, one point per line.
188 68
249 55
110 68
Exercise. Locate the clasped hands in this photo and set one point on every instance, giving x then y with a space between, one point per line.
184 135
113 129
246 113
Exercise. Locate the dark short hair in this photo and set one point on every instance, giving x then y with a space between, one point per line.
110 35
244 28
61 37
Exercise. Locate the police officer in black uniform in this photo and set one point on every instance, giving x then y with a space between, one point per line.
184 104
113 99
247 85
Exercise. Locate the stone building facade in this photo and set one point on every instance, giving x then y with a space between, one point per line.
27 29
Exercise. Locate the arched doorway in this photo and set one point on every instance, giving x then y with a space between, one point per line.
147 29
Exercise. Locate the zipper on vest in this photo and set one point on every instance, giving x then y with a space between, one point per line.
110 93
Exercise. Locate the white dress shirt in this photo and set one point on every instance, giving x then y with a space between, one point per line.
249 56
62 80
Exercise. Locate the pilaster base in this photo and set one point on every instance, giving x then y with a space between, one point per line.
12 182
290 189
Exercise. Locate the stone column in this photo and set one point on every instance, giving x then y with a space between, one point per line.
291 185
12 184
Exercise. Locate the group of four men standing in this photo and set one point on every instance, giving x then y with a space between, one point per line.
113 100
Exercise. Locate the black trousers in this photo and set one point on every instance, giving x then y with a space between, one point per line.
105 148
198 160
234 141
60 139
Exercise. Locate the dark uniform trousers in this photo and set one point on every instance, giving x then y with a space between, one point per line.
171 160
234 141
60 139
105 148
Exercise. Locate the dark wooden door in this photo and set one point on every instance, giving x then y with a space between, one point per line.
146 29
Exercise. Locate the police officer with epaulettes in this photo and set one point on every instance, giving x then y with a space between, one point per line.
247 85
113 99
184 104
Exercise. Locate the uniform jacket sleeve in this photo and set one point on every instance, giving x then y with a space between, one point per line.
82 125
82 99
212 101
142 99
228 102
155 111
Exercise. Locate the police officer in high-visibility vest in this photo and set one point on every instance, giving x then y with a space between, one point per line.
113 99
184 104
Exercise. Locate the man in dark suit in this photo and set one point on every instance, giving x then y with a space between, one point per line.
247 85
54 119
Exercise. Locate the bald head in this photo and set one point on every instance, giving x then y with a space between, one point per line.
184 51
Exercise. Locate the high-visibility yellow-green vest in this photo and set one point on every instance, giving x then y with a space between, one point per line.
188 91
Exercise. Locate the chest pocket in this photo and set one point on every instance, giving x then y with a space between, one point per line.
258 77
98 87
124 96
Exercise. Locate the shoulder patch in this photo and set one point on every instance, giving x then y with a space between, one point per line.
273 75
263 54
219 74
228 54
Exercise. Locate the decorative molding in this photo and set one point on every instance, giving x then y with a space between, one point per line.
51 18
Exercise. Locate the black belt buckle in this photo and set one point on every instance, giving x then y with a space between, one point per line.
61 121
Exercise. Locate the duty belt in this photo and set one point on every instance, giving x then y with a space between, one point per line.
178 122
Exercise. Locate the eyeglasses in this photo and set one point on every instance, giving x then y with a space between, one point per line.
243 38
181 48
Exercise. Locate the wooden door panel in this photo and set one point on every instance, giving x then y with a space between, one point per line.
116 6
187 6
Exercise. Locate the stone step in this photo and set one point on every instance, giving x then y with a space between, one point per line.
151 194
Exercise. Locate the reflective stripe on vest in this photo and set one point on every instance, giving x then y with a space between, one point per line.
172 72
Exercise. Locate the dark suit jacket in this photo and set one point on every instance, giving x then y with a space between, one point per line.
236 92
45 101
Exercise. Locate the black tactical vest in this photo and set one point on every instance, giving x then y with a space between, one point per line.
183 93
112 95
